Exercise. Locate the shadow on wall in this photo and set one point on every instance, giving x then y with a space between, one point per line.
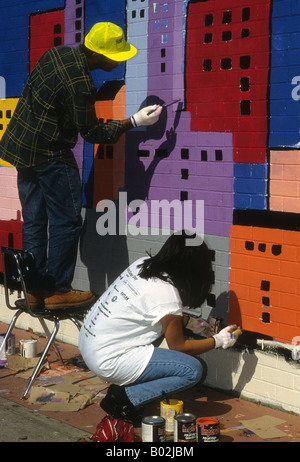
240 361
235 315
104 256
244 365
137 176
220 308
220 367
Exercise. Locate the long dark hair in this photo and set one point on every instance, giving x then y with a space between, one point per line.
187 267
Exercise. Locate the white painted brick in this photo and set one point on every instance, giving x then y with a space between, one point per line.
288 396
255 375
277 377
268 359
261 389
297 382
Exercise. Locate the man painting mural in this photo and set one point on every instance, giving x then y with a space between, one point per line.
56 104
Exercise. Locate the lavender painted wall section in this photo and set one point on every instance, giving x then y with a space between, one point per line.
173 162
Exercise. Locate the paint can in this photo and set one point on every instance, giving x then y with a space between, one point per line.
10 344
28 348
208 430
3 360
153 429
8 349
185 428
168 410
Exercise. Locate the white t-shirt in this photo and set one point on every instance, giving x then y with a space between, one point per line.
117 334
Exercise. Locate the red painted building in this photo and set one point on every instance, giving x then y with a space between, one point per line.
46 31
227 68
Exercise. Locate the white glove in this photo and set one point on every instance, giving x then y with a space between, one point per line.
224 338
147 116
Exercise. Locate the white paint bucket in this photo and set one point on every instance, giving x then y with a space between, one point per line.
28 348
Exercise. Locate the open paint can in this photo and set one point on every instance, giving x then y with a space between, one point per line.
185 428
28 348
208 430
168 410
153 429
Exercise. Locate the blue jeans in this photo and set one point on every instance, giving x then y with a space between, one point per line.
169 371
50 195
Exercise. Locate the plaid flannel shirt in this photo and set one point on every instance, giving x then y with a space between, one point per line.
57 103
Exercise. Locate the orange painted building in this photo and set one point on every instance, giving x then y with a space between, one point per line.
109 160
264 295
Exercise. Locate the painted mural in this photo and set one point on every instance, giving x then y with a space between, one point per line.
232 140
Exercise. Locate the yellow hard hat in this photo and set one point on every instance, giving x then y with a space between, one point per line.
108 39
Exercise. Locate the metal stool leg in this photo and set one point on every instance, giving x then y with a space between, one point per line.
41 360
48 335
76 322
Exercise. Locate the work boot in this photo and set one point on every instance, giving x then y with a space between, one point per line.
59 300
117 404
36 299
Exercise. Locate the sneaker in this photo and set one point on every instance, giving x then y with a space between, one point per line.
117 404
75 298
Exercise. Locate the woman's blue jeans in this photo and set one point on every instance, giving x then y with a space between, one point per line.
168 371
50 195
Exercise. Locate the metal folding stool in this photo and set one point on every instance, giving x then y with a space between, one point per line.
17 271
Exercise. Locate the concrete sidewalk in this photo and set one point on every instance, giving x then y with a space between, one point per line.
20 424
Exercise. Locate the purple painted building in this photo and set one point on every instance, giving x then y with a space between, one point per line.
175 163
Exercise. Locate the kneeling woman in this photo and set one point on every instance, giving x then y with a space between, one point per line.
144 303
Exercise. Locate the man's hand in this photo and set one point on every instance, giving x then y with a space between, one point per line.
147 116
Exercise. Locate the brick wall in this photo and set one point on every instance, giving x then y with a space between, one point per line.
265 375
232 143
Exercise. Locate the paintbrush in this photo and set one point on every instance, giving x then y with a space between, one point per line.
236 333
165 397
170 104
166 105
